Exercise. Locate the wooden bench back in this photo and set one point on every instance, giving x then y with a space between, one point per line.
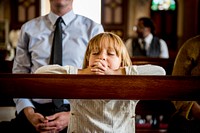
100 87
167 64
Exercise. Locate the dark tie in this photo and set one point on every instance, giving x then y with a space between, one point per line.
144 45
56 54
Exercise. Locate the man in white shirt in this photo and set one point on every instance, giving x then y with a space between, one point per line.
146 44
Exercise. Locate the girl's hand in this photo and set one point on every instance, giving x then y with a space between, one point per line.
100 67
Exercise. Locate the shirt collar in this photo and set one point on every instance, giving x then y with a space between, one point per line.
148 38
67 18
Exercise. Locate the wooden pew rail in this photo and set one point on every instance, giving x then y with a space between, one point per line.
100 87
155 91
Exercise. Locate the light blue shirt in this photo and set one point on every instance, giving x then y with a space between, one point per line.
35 42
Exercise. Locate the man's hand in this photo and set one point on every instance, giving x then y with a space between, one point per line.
56 122
36 119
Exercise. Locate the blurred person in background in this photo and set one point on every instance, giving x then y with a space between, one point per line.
146 44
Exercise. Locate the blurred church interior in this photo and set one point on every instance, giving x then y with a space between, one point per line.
175 21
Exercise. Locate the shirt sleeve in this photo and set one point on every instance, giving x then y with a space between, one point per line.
97 29
22 61
21 65
22 103
145 70
56 69
164 49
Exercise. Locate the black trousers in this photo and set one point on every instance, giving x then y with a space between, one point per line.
178 124
21 124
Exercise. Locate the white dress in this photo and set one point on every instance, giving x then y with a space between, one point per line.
102 115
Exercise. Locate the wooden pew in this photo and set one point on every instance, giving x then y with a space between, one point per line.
167 64
146 88
100 87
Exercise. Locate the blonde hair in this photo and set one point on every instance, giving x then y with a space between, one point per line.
110 39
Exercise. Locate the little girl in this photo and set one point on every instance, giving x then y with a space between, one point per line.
106 54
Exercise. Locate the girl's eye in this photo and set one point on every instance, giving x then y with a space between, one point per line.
95 53
111 53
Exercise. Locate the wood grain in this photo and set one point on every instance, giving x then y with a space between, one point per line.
99 87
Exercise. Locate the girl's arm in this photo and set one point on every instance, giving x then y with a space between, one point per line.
56 69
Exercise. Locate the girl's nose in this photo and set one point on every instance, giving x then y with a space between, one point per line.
102 56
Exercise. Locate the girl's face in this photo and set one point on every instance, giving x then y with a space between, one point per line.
107 55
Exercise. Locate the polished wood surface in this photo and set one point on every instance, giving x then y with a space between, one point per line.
99 87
